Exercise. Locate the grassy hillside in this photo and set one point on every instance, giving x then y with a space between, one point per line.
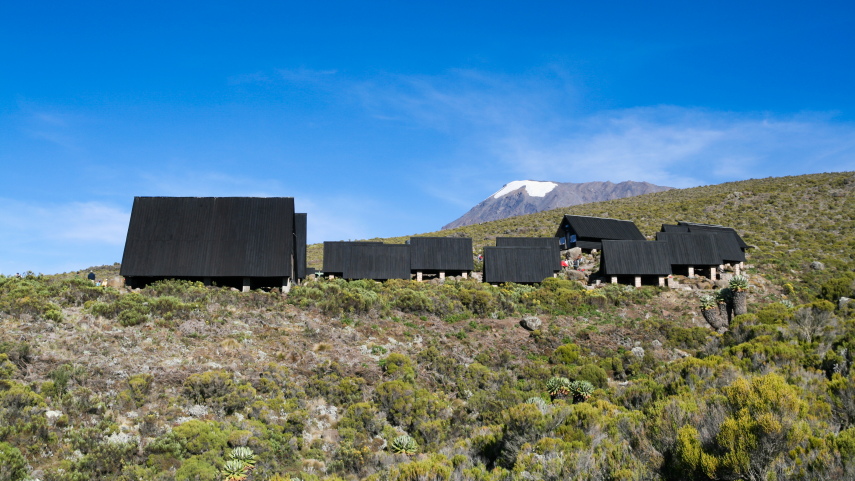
791 221
426 381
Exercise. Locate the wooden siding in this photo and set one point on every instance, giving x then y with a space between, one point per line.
728 246
598 228
210 237
694 227
378 261
300 232
441 254
691 249
635 258
518 264
548 242
337 254
674 228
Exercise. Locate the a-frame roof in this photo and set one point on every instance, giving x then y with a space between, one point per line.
691 249
635 258
586 227
210 237
695 227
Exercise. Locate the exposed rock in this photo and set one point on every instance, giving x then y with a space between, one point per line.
843 302
531 323
574 275
638 351
817 266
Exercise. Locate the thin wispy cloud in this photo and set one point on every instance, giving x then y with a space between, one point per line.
46 237
525 131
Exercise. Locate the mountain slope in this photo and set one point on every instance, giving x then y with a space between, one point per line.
529 196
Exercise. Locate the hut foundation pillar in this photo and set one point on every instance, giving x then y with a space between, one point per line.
661 282
691 272
245 284
614 279
465 275
712 274
737 268
637 281
419 276
441 275
286 285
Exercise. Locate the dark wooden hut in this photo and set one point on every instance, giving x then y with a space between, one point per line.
441 256
247 242
690 251
638 260
730 245
519 264
337 256
548 242
695 227
367 260
588 233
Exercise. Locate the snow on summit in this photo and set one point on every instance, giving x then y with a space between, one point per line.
533 187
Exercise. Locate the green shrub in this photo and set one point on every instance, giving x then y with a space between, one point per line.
198 437
13 466
197 469
567 354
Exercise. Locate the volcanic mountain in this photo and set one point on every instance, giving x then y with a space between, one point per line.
529 196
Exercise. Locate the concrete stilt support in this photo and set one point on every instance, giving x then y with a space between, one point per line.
419 276
737 269
286 285
245 284
637 281
465 275
661 282
331 277
712 274
691 272
441 275
614 279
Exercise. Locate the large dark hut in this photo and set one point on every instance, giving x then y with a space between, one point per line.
731 247
641 261
246 242
523 265
588 233
441 256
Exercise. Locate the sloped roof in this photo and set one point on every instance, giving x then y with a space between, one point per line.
600 228
338 253
518 264
548 242
441 253
635 258
695 227
210 237
691 249
378 261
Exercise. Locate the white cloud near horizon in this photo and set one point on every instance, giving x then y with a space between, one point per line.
536 129
44 236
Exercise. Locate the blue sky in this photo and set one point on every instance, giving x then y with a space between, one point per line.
395 118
